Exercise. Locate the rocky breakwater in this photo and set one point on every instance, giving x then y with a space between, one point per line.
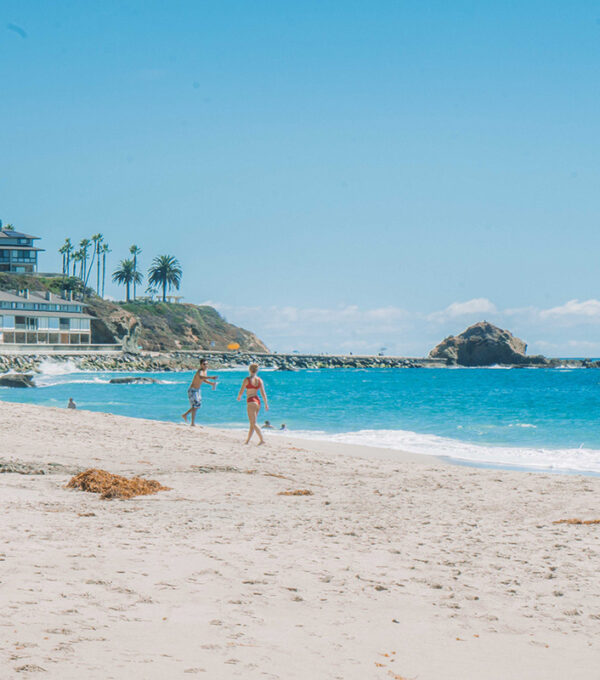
484 344
154 362
187 361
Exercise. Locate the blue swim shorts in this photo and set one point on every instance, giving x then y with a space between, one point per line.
195 397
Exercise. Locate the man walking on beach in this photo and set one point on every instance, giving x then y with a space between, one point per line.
194 394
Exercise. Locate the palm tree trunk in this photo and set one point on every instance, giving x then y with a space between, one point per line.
128 291
89 271
98 269
164 283
134 273
103 272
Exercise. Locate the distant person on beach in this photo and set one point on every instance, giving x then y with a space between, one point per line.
283 427
193 392
267 425
71 403
253 385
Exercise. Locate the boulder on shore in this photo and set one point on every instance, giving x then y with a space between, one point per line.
132 379
484 344
16 380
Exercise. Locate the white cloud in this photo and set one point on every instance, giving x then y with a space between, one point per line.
574 309
468 308
559 331
346 327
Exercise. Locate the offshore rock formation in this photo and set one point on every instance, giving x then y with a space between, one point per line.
484 344
16 380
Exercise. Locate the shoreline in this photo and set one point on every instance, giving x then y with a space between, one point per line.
327 443
388 569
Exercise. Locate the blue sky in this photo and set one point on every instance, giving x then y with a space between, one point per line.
333 175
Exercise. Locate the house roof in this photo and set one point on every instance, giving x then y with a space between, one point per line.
9 233
43 312
11 246
37 296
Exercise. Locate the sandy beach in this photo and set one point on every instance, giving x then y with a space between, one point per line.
406 568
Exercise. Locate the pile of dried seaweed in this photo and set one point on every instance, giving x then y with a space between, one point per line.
114 486
297 492
575 520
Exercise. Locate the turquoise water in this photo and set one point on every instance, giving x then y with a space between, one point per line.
533 417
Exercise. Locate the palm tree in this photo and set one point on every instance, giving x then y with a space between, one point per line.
63 251
135 251
84 244
75 259
96 240
8 227
105 250
165 271
125 275
68 246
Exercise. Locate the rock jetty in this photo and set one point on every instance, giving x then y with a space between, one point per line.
155 362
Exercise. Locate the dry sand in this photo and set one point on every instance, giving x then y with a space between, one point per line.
390 569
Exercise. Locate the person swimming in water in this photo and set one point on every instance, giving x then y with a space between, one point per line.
193 392
253 385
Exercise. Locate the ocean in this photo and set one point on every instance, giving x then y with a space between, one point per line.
544 419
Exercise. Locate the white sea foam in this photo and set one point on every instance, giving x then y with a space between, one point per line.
44 381
50 367
579 459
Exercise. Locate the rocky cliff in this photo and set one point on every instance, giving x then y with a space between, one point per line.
484 344
152 326
163 327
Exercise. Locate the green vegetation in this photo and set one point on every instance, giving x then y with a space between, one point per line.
165 272
164 326
126 275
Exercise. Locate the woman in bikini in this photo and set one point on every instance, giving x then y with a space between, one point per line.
253 385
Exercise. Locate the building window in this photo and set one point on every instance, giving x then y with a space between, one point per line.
64 324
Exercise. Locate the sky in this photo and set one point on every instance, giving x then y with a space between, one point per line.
334 175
